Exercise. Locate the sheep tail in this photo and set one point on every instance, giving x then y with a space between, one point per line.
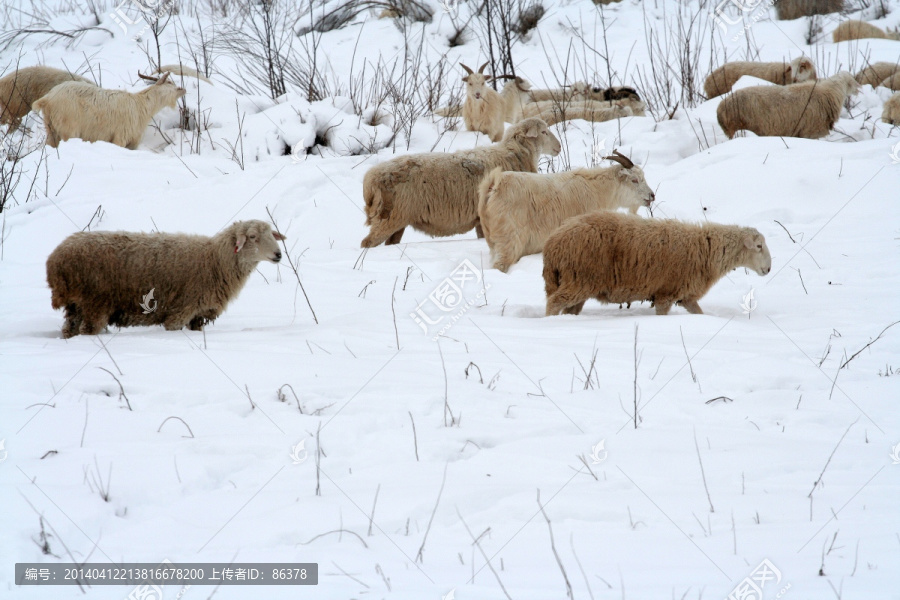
486 190
551 277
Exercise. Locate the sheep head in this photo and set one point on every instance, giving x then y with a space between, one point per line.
580 90
633 186
476 83
169 93
754 252
254 241
851 85
801 69
618 93
535 131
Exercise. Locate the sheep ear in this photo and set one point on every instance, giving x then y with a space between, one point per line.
278 236
749 241
240 240
533 130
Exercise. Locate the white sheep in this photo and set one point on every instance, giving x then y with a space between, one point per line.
723 79
484 109
81 110
622 258
119 278
519 211
553 112
875 73
182 71
437 192
856 30
807 110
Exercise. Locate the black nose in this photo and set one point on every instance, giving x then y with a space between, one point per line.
277 255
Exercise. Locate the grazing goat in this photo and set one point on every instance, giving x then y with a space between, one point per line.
874 74
891 112
723 79
519 211
857 30
119 278
183 71
21 88
82 110
807 110
622 258
483 109
437 193
555 112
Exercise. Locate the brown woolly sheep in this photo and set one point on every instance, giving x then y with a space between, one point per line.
891 112
807 110
112 278
621 258
857 30
81 110
553 112
181 70
874 74
788 10
519 211
437 192
484 109
892 82
722 79
21 88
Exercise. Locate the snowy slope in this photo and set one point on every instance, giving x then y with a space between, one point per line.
686 504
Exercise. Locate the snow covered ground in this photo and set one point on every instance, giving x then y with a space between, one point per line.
379 450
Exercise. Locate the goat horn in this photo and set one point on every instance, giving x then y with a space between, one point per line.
481 68
505 76
468 70
147 77
164 77
621 159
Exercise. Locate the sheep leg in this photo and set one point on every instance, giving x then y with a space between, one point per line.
72 323
381 231
663 306
395 237
692 307
562 300
479 232
92 322
575 309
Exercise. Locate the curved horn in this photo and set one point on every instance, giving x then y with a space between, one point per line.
481 68
468 70
620 158
505 76
147 77
163 78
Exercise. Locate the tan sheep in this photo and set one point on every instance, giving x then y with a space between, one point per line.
807 110
794 9
555 112
437 193
21 88
891 112
892 82
857 30
182 71
483 109
874 74
723 79
119 278
81 110
621 258
515 97
576 91
519 211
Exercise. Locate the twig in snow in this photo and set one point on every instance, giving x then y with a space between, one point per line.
339 532
827 462
180 419
855 354
486 559
415 441
84 430
688 357
294 267
419 554
447 410
283 398
724 399
362 583
635 377
372 516
580 568
100 339
703 474
786 231
318 461
121 389
553 548
394 313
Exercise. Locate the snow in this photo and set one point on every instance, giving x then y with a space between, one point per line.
218 482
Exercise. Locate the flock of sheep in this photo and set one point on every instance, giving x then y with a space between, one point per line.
589 249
